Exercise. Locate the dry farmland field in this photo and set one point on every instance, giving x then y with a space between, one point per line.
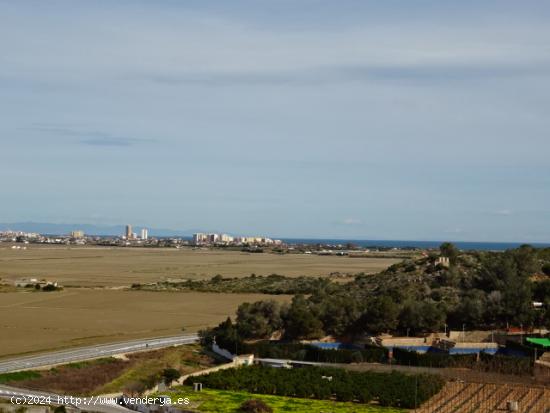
39 321
94 307
97 266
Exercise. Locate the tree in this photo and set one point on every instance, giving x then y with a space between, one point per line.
494 308
381 316
225 334
542 291
338 313
449 250
423 316
170 375
470 310
300 322
518 302
259 319
526 260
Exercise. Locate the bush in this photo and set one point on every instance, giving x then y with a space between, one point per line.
255 406
169 375
506 364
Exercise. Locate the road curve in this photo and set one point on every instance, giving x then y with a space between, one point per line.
92 352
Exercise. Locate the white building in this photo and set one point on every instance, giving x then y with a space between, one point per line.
77 234
144 234
215 238
224 238
200 238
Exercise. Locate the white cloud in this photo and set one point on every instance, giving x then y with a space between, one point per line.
351 221
504 212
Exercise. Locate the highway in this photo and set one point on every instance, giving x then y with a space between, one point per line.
92 352
27 398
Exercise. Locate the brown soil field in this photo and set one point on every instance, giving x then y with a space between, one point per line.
97 266
40 321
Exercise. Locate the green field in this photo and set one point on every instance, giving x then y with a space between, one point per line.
18 376
221 401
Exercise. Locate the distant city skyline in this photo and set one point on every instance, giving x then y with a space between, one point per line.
400 120
119 230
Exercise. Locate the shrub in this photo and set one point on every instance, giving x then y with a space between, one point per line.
506 364
255 406
169 375
49 287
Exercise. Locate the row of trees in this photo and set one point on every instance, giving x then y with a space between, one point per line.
484 362
307 352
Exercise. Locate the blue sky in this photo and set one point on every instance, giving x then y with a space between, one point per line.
349 119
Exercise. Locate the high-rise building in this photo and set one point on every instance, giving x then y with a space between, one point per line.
224 238
144 233
129 233
77 234
201 238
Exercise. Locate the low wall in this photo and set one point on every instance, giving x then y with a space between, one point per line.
182 379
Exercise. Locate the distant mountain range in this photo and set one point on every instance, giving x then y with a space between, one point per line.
89 229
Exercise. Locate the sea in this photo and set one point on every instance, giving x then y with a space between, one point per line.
463 245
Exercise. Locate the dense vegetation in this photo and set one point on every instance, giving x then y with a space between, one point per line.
479 290
305 352
18 376
485 362
271 284
506 364
388 389
413 358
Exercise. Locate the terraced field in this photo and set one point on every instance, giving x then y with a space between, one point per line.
460 397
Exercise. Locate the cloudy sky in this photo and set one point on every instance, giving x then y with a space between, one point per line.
300 118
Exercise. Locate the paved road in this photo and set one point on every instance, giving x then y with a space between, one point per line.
91 352
31 397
